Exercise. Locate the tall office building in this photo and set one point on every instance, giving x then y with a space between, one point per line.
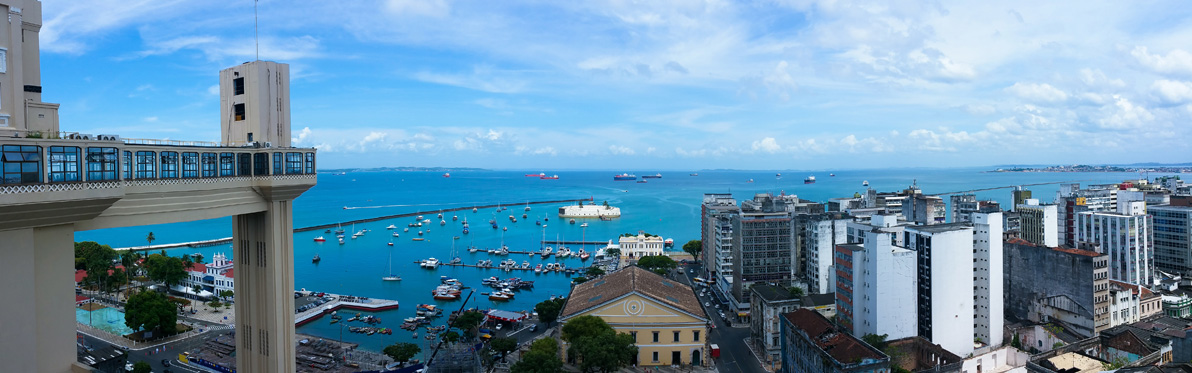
1127 238
1038 224
716 233
1020 195
1173 238
923 209
762 246
1071 200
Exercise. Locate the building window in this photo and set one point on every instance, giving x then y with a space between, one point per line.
190 165
245 163
146 165
169 165
101 163
655 353
238 112
260 164
238 86
634 335
64 164
21 163
676 336
310 163
127 165
293 163
209 163
696 336
227 164
655 341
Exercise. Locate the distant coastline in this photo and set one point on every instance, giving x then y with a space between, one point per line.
1089 168
407 169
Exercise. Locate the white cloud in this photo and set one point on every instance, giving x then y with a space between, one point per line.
1177 61
423 8
213 90
1172 91
481 79
768 145
1037 92
151 119
620 150
302 136
1124 114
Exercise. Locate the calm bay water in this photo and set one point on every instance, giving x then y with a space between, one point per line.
668 207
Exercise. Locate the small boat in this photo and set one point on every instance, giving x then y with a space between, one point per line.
320 239
395 234
654 176
447 174
473 249
390 243
473 210
865 183
418 239
525 264
669 242
440 216
642 181
527 207
525 216
538 268
538 222
316 259
327 231
693 174
442 222
583 255
749 181
457 260
339 229
465 230
334 321
584 225
391 227
419 233
341 240
831 175
547 251
809 180
431 263
454 217
572 221
506 228
419 218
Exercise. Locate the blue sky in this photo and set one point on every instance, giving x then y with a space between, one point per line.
638 85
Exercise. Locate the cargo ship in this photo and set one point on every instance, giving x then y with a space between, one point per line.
654 176
624 177
809 180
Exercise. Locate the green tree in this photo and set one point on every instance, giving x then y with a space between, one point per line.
594 271
579 280
97 260
612 253
451 337
150 238
606 205
468 322
584 326
549 310
215 304
225 294
503 346
402 352
877 341
796 291
1015 342
608 351
543 357
694 247
149 310
142 367
660 264
165 269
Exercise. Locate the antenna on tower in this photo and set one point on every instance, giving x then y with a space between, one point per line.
255 29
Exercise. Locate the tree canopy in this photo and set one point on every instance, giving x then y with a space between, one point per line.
657 263
594 271
549 310
598 346
402 352
142 367
694 247
149 310
543 357
468 321
165 269
503 345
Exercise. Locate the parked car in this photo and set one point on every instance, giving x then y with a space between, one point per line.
533 327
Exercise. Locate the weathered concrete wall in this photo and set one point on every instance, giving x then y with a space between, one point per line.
1033 273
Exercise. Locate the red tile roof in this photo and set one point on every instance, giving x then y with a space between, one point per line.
600 290
1070 250
841 346
198 267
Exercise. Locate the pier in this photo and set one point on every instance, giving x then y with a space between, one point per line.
203 243
430 212
550 242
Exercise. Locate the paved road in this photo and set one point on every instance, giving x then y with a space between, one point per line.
734 354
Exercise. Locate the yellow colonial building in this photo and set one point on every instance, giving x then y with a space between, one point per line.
665 318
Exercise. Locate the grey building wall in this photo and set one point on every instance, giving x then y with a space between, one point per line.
1034 273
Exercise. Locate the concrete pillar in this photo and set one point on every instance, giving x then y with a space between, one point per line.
264 273
37 272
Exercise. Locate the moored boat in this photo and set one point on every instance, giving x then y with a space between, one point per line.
624 177
391 227
654 176
316 259
320 239
809 180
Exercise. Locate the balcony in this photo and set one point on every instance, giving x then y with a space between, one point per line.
103 181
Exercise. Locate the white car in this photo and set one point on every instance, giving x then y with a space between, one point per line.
707 304
128 367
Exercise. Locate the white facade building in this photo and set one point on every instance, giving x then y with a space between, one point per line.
1126 237
820 237
884 302
946 282
1039 224
640 245
989 272
215 277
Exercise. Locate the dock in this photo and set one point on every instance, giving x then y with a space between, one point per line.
203 243
431 212
371 305
577 269
551 242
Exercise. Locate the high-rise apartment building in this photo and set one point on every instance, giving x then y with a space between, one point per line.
817 237
716 234
1126 237
1038 224
945 284
989 274
1071 200
960 206
1173 238
875 287
923 209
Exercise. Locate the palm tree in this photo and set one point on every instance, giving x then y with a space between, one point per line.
150 239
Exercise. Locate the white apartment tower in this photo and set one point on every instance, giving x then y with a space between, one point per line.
254 100
1126 236
946 284
887 303
1039 224
988 272
820 235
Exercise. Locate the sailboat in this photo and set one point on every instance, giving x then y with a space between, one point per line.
391 276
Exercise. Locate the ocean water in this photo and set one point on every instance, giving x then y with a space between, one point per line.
668 207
